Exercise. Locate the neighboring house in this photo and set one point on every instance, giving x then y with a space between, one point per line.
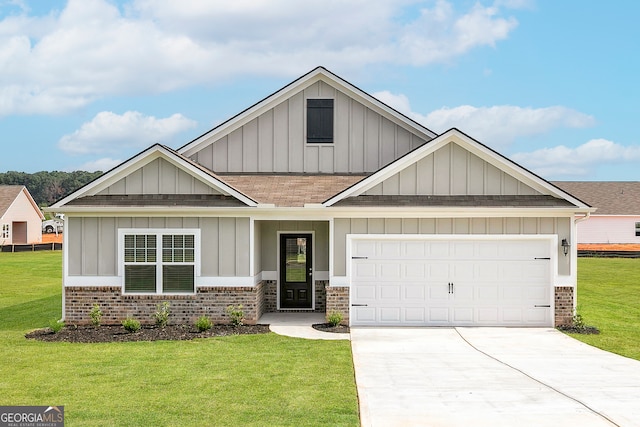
617 219
319 198
20 216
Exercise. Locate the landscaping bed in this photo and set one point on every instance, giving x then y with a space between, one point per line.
328 327
115 333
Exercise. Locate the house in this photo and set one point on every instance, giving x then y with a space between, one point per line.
321 198
617 219
20 216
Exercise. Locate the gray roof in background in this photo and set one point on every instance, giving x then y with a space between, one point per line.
610 197
8 194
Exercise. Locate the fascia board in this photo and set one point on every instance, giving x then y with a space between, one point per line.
33 202
284 213
512 168
318 74
142 159
473 146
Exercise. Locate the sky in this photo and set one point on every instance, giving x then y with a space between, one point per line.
552 85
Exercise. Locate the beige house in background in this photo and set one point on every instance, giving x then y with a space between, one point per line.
20 216
319 198
617 219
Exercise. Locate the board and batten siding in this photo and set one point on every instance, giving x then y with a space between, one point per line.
464 226
159 177
451 170
608 229
93 243
275 141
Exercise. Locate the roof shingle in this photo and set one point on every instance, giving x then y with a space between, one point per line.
610 197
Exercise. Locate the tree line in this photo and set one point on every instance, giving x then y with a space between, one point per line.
48 187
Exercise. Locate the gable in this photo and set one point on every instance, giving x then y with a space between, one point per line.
451 170
16 203
271 137
455 170
159 177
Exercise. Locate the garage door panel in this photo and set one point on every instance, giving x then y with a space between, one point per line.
364 292
390 315
415 293
492 282
389 292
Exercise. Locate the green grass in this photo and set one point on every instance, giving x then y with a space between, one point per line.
248 380
609 299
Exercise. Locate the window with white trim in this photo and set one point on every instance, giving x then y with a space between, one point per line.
5 232
159 261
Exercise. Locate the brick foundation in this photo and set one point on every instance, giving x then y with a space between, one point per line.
338 300
564 305
271 297
185 309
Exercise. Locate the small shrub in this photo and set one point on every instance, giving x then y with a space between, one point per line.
96 315
162 314
334 318
131 325
56 325
236 314
204 323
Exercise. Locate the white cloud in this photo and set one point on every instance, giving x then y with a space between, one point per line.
497 126
102 165
91 49
562 161
111 133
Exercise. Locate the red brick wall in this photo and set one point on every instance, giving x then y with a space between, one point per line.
271 297
185 309
564 305
338 300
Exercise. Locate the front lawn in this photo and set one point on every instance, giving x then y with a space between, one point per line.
609 299
241 380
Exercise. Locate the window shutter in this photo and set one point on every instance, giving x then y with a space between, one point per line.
320 120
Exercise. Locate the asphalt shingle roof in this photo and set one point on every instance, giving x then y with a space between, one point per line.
610 197
8 194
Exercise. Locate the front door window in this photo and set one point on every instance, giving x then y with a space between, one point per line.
295 271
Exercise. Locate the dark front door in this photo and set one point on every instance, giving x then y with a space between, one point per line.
295 271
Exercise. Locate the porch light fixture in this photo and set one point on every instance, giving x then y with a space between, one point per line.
565 246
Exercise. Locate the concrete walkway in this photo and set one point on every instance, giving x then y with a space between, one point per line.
490 377
298 325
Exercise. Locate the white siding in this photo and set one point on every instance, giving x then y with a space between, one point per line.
451 170
364 141
608 229
159 177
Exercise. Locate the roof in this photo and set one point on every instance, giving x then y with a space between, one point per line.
9 193
290 190
528 201
610 197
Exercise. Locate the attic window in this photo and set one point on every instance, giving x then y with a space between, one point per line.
320 121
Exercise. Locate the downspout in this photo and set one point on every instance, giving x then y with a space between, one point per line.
584 218
575 291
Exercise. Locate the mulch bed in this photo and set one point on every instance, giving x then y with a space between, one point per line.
587 330
327 327
115 333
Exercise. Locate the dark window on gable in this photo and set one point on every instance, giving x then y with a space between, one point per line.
637 228
320 120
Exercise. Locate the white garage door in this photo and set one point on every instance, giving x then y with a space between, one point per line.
454 281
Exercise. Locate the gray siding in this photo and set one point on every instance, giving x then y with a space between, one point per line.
159 177
269 241
451 170
93 243
364 141
344 226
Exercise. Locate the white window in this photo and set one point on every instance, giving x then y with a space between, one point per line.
5 232
159 261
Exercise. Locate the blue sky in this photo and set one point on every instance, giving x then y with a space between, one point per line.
553 85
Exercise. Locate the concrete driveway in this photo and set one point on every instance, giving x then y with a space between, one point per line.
490 377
